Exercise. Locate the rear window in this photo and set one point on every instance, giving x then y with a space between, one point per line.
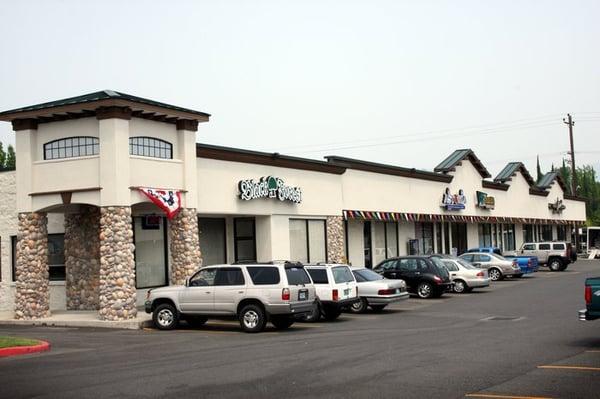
296 276
558 246
466 265
363 275
319 276
342 274
264 275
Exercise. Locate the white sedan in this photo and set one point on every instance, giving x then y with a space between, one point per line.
465 276
376 291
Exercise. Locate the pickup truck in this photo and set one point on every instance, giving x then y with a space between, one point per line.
592 300
527 264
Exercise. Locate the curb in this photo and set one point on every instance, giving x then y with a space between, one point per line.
22 350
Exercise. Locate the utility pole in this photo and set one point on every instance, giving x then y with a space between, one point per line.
569 121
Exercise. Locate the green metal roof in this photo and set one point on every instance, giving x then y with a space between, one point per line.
547 180
510 169
97 96
448 164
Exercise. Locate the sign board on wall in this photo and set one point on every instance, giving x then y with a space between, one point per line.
485 201
268 187
557 206
453 202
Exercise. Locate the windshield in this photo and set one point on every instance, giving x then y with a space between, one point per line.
342 274
466 264
367 275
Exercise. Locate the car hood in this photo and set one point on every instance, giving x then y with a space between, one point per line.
165 290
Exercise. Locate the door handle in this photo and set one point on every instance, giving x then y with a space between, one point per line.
453 274
208 292
240 292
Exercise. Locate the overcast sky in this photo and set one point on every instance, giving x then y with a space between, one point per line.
395 82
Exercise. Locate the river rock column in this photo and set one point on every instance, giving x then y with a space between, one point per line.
32 297
335 240
82 258
117 292
185 245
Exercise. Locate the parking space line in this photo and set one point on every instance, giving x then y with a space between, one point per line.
593 351
583 368
498 396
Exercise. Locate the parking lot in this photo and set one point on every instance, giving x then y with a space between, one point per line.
517 339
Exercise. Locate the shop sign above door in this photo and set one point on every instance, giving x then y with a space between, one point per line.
269 187
453 202
557 206
485 201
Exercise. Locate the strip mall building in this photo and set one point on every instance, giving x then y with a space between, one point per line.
78 231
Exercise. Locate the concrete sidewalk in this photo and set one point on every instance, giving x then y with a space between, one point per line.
78 318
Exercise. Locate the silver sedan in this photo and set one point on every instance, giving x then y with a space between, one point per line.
465 276
376 291
497 266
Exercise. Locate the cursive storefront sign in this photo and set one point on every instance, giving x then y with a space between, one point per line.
268 187
453 202
485 201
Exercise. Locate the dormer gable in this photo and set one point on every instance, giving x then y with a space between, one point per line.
455 159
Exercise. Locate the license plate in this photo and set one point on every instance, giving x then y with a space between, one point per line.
302 295
347 292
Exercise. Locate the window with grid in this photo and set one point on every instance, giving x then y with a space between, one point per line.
72 147
150 147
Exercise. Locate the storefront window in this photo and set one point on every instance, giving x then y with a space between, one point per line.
438 238
56 257
509 237
211 232
561 233
379 249
367 242
391 239
244 237
528 235
150 251
426 238
547 232
307 240
485 234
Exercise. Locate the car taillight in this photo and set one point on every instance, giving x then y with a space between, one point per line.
334 295
588 294
285 294
437 279
386 292
481 274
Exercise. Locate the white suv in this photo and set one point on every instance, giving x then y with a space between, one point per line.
254 293
336 289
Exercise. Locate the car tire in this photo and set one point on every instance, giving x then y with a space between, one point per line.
196 321
282 322
331 314
495 274
425 290
460 287
563 268
314 315
555 264
252 318
378 308
360 306
165 317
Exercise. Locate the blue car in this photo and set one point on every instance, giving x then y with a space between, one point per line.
528 264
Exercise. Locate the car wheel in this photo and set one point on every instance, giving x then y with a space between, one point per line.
378 308
331 314
460 286
165 317
495 274
555 265
196 321
282 322
563 268
425 290
252 319
360 306
314 315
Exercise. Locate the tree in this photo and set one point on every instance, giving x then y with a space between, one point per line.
539 171
11 158
565 173
2 157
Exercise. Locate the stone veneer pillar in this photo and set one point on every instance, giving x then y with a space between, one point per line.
117 292
32 297
336 240
82 258
185 245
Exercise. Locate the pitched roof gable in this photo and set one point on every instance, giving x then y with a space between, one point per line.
449 164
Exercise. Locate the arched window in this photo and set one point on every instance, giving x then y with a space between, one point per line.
150 147
72 147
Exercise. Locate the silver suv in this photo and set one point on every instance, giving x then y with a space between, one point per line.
253 293
556 255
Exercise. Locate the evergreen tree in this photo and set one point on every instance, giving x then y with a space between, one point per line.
539 171
565 173
2 157
11 158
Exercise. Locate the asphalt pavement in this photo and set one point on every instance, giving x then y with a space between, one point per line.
517 339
